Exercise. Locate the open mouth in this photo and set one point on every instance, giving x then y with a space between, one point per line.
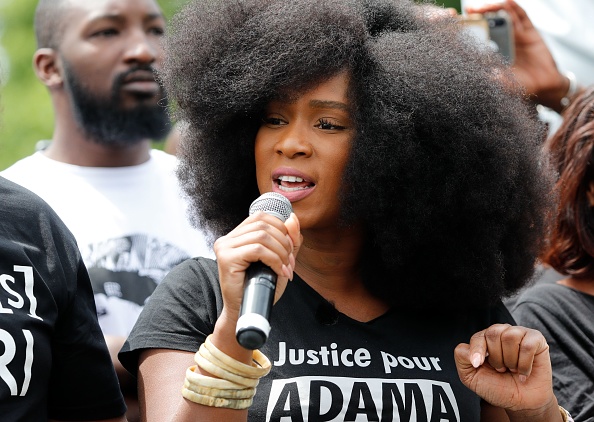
293 184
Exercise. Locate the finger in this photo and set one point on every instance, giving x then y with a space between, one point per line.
294 231
462 356
262 224
533 344
244 226
255 241
484 8
281 285
477 350
295 237
511 339
518 14
271 254
520 25
494 346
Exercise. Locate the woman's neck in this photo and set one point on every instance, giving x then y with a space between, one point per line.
330 264
584 286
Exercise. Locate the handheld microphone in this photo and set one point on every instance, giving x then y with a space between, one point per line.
260 282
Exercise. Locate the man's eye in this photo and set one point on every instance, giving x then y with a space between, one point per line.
158 31
106 33
328 125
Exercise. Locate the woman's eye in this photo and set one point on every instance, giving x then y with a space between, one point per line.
328 125
272 121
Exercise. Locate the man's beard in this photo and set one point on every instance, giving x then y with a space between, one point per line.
106 122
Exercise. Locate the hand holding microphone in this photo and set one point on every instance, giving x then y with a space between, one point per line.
253 325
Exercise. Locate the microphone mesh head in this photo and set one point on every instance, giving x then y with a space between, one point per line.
274 204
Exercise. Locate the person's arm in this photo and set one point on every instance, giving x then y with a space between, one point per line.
509 368
127 381
534 65
161 373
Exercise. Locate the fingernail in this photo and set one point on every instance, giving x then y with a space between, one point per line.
286 271
476 360
523 378
502 370
292 260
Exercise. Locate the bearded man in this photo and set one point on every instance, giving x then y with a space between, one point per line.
118 196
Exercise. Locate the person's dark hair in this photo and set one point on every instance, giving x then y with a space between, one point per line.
570 248
444 172
49 22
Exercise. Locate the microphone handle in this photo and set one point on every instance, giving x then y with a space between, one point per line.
253 325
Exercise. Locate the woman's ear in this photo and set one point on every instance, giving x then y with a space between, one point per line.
47 69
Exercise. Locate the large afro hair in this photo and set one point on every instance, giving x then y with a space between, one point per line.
445 174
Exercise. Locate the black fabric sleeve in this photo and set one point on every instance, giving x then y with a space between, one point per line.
502 315
83 380
179 314
72 376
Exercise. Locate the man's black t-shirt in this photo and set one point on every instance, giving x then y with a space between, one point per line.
326 366
53 359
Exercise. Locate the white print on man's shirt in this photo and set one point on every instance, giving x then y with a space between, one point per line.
17 301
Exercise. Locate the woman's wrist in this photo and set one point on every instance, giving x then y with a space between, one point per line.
549 413
553 96
223 337
559 95
571 90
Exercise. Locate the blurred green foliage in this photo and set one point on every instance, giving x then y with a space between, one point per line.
26 114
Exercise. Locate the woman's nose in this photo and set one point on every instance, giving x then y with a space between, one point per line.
294 141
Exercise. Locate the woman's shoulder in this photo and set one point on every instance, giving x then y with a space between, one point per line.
197 265
544 293
194 280
553 299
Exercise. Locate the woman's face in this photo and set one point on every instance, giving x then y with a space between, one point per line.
302 148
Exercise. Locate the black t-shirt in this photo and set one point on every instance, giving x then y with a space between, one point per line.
566 318
54 361
326 366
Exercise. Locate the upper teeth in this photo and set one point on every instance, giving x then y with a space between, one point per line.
290 179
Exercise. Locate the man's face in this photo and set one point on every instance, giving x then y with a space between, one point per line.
109 51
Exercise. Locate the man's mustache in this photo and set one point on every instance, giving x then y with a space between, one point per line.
137 73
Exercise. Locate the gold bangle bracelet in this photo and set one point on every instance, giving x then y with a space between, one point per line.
219 372
260 368
565 414
224 393
216 401
233 383
198 379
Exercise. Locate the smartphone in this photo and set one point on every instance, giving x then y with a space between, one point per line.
493 30
501 34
